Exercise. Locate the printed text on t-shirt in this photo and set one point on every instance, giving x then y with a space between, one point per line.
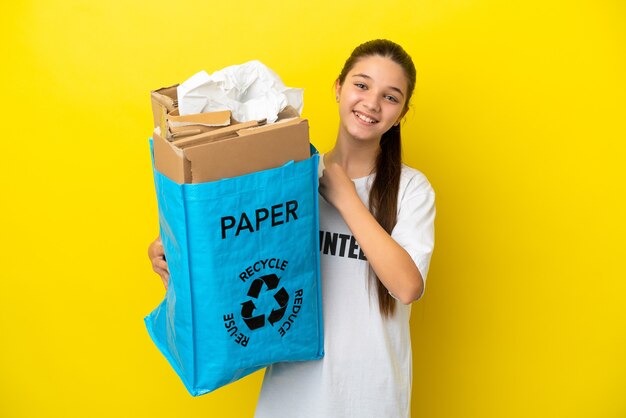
340 245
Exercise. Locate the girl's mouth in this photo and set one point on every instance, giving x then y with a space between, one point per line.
364 118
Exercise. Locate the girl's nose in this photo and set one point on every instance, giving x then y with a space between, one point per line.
371 102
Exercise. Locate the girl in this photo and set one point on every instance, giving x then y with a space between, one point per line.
377 236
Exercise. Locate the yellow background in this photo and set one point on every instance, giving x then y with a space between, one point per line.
517 120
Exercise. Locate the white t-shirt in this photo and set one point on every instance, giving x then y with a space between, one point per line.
366 371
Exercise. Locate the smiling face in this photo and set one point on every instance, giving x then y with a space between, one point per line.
371 98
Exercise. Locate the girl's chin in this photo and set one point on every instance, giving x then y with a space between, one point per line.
364 138
359 133
363 134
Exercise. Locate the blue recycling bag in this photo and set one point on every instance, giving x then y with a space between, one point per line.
244 289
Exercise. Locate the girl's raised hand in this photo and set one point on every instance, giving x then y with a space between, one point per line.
336 187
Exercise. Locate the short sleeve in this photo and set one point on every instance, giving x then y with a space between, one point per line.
415 227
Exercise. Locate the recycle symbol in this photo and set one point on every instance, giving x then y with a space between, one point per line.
248 307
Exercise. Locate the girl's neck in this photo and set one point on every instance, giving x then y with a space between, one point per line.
357 158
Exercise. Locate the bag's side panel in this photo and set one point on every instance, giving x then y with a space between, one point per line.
318 283
314 178
170 324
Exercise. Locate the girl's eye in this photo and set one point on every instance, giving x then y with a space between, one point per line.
391 98
360 85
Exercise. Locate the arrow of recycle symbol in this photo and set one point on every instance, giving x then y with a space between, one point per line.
281 297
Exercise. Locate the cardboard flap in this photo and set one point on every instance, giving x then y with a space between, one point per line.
221 118
214 135
185 131
169 160
288 112
270 126
163 100
167 96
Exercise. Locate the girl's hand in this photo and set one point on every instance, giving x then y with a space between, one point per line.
336 187
156 253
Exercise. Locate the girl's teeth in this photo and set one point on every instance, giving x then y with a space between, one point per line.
364 118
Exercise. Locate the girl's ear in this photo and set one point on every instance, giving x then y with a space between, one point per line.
337 90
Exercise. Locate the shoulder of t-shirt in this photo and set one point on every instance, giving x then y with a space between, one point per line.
413 182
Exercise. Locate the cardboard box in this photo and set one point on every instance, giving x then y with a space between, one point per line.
232 151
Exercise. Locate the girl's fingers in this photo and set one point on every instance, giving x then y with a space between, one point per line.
160 263
156 253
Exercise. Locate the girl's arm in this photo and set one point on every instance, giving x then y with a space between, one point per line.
391 263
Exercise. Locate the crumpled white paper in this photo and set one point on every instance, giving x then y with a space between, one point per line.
251 91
